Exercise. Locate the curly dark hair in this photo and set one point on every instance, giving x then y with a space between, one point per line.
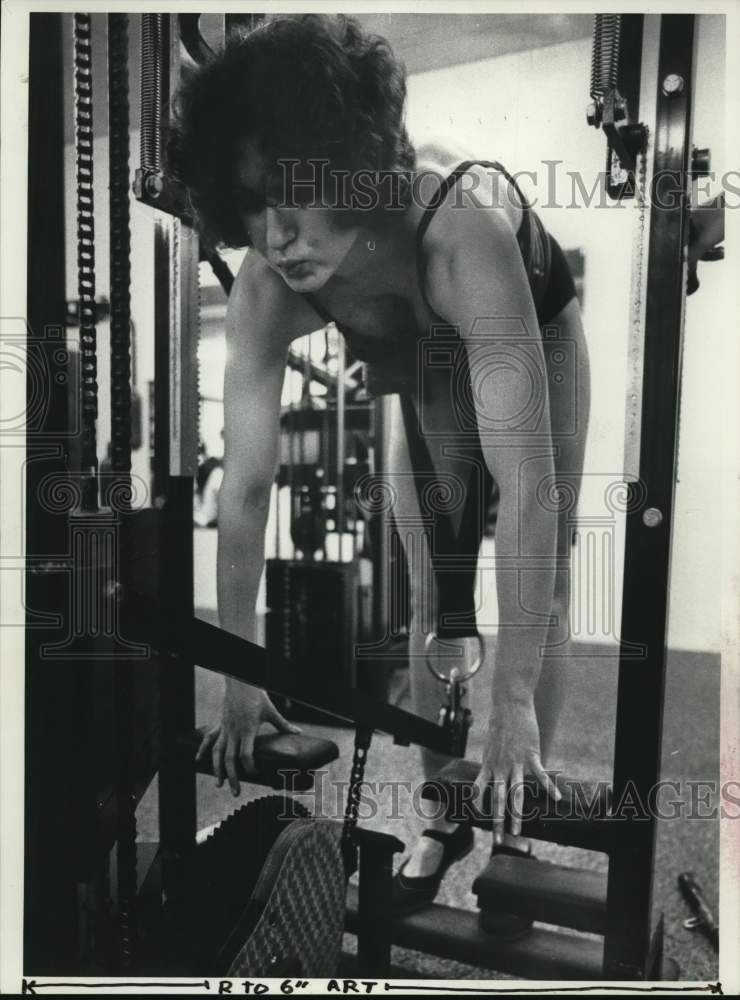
305 87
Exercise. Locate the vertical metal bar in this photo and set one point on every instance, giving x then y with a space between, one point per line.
175 435
648 539
183 360
341 407
185 320
177 804
50 912
161 456
379 536
374 928
630 51
119 490
645 112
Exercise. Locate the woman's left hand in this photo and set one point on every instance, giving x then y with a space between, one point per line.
511 751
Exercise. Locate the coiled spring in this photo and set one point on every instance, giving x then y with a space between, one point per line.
605 53
152 89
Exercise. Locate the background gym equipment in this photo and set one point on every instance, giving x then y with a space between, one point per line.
132 713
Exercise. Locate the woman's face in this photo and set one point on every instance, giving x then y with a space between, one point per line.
304 245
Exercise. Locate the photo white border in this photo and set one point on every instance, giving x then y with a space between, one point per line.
725 329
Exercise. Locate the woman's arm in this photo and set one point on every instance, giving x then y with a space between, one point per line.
257 339
477 281
253 379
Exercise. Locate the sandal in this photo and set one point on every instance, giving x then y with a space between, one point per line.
411 894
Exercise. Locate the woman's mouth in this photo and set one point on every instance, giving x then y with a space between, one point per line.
295 269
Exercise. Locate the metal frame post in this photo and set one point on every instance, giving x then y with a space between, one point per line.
54 796
648 537
175 332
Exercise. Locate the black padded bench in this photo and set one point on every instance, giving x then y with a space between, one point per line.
282 760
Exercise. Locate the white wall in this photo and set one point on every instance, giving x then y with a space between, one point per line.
528 108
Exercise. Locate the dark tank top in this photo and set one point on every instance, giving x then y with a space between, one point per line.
391 364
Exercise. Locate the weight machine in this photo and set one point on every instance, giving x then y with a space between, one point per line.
113 712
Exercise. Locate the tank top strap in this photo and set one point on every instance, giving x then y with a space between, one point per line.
524 233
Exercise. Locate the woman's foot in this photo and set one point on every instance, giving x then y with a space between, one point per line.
426 854
439 847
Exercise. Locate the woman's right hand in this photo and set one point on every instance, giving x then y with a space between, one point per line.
231 740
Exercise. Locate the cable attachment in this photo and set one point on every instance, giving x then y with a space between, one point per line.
615 64
452 716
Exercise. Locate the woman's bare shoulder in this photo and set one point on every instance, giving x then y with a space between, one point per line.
262 307
484 191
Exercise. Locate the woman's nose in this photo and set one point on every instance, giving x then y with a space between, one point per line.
281 228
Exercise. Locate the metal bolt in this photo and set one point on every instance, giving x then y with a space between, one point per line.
154 185
160 502
673 84
652 517
591 115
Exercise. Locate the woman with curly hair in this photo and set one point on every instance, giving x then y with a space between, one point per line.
292 142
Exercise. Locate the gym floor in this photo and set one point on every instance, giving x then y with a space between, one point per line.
584 748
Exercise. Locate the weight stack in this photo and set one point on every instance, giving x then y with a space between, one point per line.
311 624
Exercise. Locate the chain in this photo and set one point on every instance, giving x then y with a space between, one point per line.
86 256
363 736
120 246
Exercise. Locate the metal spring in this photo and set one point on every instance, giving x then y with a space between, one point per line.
605 53
120 251
86 256
152 89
